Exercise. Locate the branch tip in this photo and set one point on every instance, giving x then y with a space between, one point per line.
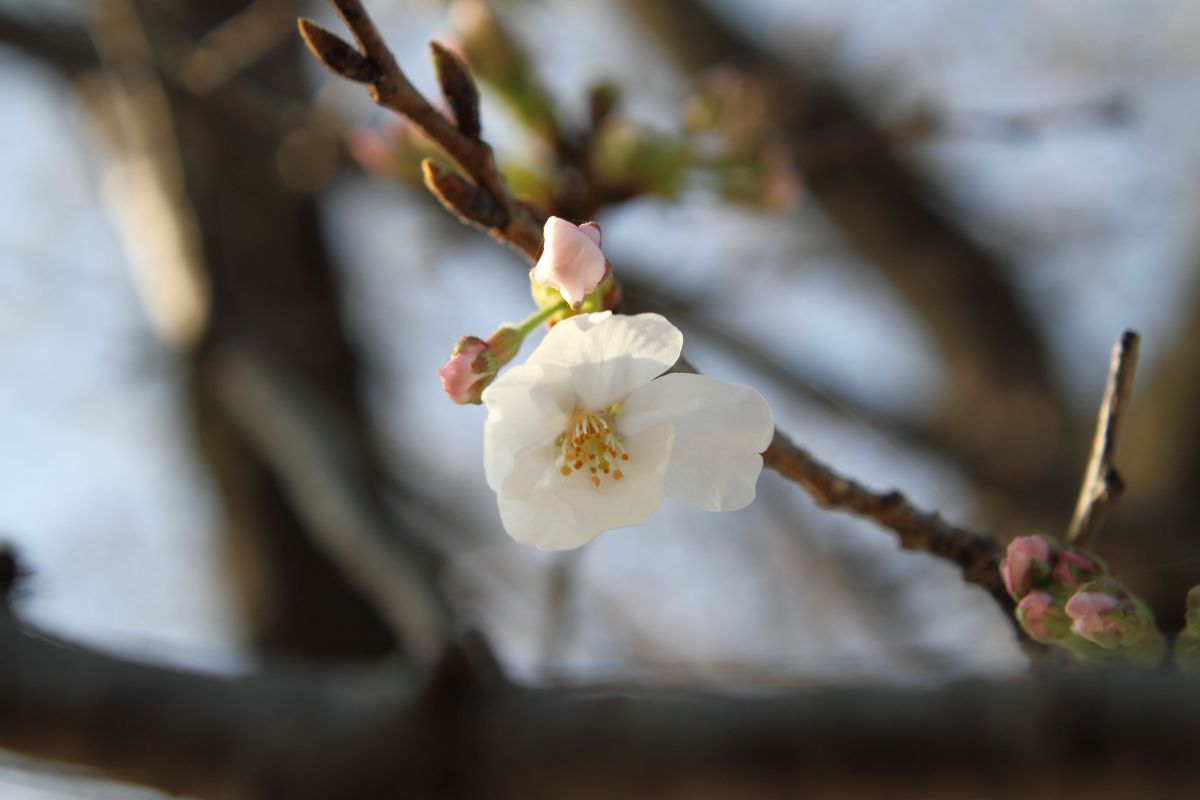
336 54
458 87
1102 483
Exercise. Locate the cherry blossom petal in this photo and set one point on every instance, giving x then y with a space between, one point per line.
571 260
564 512
528 407
609 356
592 231
720 431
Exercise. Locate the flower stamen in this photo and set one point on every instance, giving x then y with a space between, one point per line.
591 440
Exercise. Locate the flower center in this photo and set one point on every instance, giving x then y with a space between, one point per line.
591 445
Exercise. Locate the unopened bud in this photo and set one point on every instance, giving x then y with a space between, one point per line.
1098 617
336 54
1187 653
1187 643
468 372
1106 614
1027 563
1073 568
1043 618
499 60
458 87
474 363
571 262
1192 615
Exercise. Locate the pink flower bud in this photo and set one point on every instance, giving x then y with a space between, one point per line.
1027 560
1093 618
1073 568
468 372
571 260
1041 618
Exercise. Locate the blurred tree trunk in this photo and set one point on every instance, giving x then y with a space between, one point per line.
270 288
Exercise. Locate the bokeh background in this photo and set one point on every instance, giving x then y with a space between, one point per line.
917 227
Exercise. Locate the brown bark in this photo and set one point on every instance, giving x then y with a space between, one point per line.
376 732
273 291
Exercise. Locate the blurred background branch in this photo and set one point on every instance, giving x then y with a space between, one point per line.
891 215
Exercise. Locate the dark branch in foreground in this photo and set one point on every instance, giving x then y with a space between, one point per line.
1102 484
375 732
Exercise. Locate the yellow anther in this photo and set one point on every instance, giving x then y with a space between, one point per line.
591 439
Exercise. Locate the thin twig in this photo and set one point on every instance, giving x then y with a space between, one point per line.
1102 484
392 90
977 555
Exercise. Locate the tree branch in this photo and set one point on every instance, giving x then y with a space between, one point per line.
1102 484
391 89
977 555
63 47
351 733
182 732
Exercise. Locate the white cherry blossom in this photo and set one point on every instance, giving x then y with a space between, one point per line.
589 434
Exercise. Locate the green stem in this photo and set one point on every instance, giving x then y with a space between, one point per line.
535 319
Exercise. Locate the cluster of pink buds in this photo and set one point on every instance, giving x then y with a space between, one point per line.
1065 598
1035 562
